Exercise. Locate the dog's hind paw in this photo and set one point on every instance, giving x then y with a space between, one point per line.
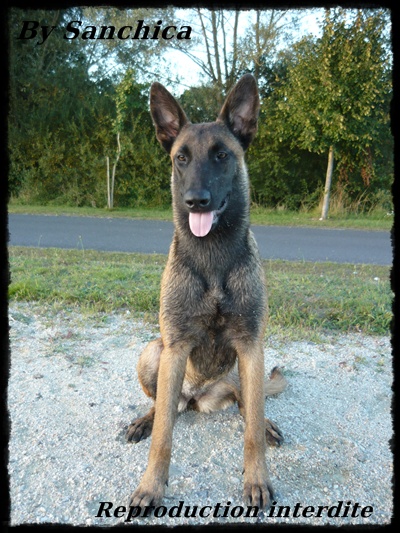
273 434
139 429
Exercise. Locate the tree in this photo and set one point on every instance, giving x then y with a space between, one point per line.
126 88
64 120
234 42
54 113
337 91
201 104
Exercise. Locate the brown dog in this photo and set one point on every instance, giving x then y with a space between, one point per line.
213 301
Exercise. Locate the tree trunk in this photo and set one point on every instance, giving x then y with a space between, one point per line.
235 50
216 48
108 183
328 183
210 69
113 171
258 47
110 186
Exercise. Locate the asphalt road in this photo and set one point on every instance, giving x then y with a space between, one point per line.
152 236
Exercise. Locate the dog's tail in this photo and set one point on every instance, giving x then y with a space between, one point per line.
276 382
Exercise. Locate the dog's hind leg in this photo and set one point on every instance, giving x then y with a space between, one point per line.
274 385
147 368
148 365
226 391
140 428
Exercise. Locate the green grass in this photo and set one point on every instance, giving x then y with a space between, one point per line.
378 220
94 281
305 299
141 213
375 221
331 297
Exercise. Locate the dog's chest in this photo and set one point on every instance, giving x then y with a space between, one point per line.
215 307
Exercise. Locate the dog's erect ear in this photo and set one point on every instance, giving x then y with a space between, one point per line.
240 110
168 116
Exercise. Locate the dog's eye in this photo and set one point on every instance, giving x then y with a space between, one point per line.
181 157
221 155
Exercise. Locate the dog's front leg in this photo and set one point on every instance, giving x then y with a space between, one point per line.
257 486
169 385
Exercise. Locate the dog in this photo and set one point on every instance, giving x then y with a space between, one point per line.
213 302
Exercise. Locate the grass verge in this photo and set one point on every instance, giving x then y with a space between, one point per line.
141 213
378 220
375 221
305 299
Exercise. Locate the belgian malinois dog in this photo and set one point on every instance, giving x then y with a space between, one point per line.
213 302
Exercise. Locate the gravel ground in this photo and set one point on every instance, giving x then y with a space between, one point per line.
73 388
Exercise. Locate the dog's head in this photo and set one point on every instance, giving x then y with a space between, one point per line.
208 159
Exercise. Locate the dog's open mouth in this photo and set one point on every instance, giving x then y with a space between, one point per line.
201 223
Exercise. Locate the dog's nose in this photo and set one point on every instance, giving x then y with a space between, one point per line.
197 199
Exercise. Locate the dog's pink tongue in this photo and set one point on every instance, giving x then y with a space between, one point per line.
200 223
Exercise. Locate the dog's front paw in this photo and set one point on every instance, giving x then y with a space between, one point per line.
259 494
145 496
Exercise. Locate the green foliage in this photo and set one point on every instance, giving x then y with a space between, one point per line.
143 176
58 151
130 99
337 93
281 175
202 104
